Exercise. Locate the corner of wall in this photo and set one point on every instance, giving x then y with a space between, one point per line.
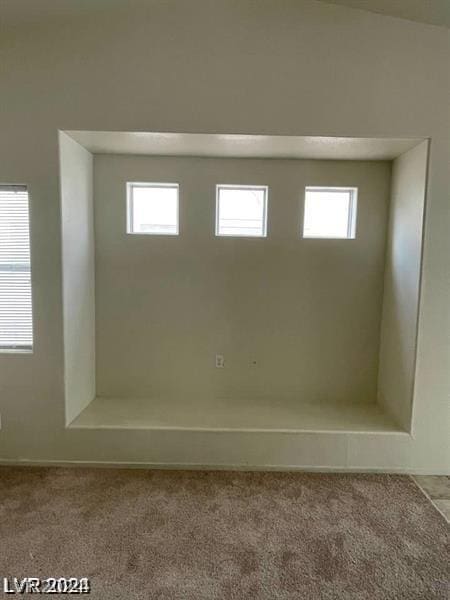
78 266
398 340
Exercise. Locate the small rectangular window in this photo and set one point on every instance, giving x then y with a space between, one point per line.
241 210
330 212
16 327
152 208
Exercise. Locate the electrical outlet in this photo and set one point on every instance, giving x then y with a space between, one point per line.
220 361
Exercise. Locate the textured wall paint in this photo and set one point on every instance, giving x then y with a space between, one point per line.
77 226
308 312
298 67
436 12
401 284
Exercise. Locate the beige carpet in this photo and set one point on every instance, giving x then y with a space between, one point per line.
182 535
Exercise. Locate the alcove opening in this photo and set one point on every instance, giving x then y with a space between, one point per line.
314 333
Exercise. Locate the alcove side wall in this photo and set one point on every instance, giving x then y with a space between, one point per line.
401 284
77 223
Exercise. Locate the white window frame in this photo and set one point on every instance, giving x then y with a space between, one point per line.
21 349
352 212
150 184
226 186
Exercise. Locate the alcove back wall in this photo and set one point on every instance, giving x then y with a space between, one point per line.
293 317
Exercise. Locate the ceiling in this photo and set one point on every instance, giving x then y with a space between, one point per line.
434 12
242 146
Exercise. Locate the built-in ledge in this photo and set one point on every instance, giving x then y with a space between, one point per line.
234 415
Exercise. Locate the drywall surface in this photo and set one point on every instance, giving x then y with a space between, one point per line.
297 67
293 317
436 12
77 226
242 146
401 284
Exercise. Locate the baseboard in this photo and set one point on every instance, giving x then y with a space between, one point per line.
25 462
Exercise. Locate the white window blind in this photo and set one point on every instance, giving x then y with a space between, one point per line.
16 330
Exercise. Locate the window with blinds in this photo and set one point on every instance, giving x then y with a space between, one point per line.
16 328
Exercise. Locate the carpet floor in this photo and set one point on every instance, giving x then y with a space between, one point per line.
182 535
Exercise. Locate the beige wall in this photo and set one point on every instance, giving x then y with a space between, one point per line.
307 311
296 67
77 236
401 284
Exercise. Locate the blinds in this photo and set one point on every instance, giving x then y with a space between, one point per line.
16 330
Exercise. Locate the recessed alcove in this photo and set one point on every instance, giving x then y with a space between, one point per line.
317 334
